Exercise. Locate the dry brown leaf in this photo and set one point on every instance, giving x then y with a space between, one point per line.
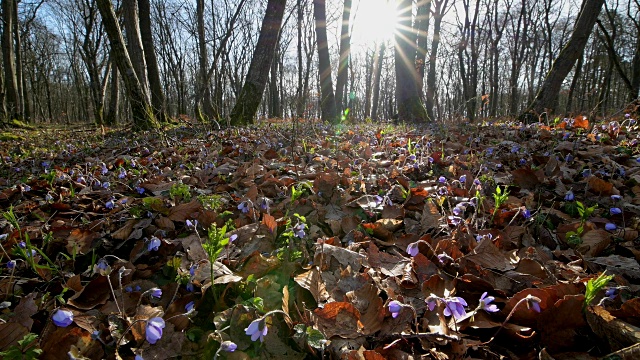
79 241
312 281
338 319
186 211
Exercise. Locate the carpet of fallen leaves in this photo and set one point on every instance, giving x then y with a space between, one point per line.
93 221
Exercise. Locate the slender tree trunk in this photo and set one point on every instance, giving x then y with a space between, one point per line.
19 67
548 94
11 82
368 82
141 111
3 108
130 15
202 83
423 18
328 100
275 110
111 118
155 84
345 51
433 56
299 95
377 73
408 98
251 94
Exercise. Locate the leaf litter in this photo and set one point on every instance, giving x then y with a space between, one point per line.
190 243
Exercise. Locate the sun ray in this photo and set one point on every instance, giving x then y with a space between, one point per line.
374 22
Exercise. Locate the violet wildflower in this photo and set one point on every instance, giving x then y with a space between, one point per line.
526 213
189 307
569 196
62 318
138 357
137 288
264 204
228 346
154 328
477 182
128 289
122 174
615 211
454 306
192 270
191 224
457 211
485 303
154 244
11 264
139 189
394 308
586 172
432 301
22 245
156 293
103 169
233 238
244 207
442 180
616 197
109 204
105 185
298 230
257 329
610 227
533 303
611 293
413 249
463 179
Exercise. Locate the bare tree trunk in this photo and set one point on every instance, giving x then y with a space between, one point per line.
299 94
368 81
157 95
247 104
202 83
130 15
11 82
3 108
440 8
408 98
328 100
111 118
140 108
548 94
574 82
345 52
423 18
377 73
19 67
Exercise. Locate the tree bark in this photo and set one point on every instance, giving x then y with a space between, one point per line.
111 117
8 57
408 100
251 94
130 15
377 73
141 111
345 52
202 84
155 84
423 18
547 95
328 100
441 7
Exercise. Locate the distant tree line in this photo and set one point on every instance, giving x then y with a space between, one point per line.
232 61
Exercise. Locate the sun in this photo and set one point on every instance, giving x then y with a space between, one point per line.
374 21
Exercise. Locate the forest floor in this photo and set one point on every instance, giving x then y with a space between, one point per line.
366 241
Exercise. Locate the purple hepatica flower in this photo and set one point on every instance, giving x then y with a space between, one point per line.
463 179
454 306
455 220
191 224
109 205
190 287
233 238
11 264
140 190
128 289
244 207
442 180
533 303
156 293
457 211
490 151
610 226
444 257
430 159
22 245
432 301
154 244
228 346
138 357
569 196
62 318
104 169
477 182
485 302
264 204
586 172
257 330
137 288
616 197
298 230
395 307
523 162
515 148
611 293
526 213
413 249
122 174
622 172
568 158
189 307
192 270
615 211
154 330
